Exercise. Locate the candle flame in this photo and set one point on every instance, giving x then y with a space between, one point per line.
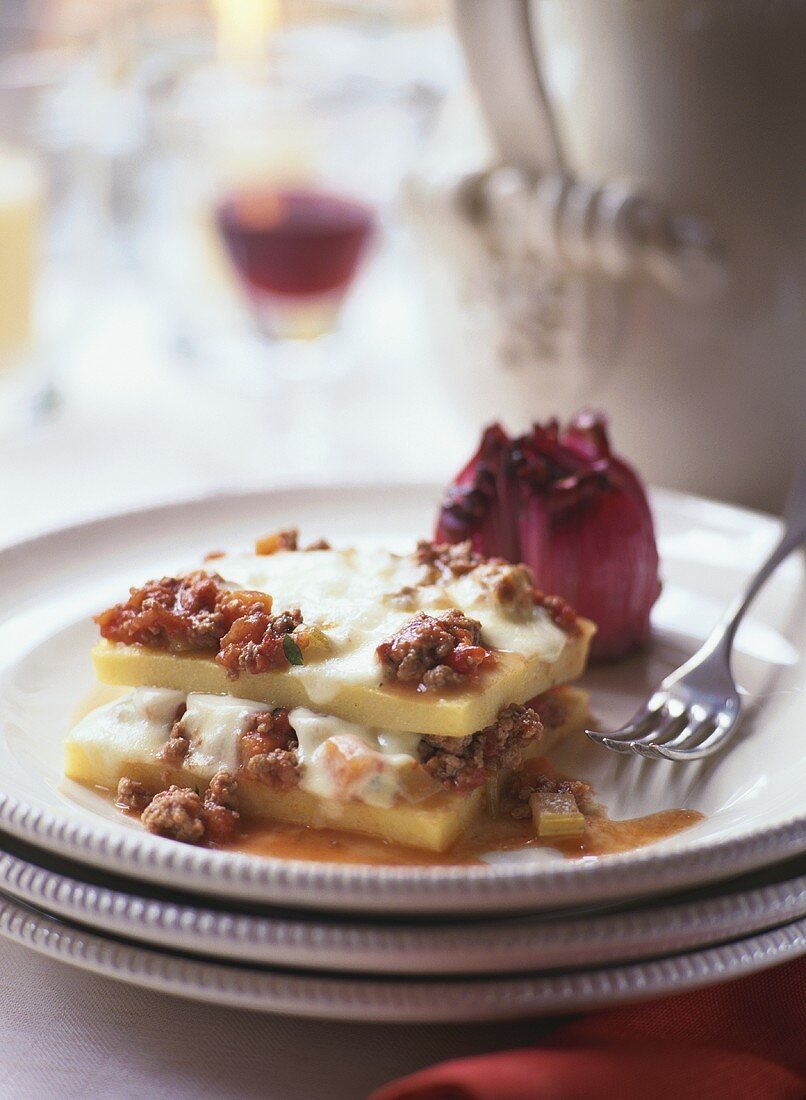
243 27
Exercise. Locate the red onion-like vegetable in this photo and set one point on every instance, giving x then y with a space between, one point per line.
562 502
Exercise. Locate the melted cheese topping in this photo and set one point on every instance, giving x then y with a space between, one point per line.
350 596
342 760
135 726
212 724
338 760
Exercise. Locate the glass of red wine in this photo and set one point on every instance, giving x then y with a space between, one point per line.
295 251
272 211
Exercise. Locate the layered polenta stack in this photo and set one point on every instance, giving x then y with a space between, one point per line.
402 696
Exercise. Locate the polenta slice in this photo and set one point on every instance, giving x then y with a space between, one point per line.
458 714
352 602
125 738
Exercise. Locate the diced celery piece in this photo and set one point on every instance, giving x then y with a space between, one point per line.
555 813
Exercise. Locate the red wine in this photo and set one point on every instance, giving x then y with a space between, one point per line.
294 243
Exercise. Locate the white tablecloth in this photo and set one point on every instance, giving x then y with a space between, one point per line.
71 1035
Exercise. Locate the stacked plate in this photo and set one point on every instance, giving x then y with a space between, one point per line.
524 932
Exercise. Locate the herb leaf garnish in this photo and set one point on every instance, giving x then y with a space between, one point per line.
292 651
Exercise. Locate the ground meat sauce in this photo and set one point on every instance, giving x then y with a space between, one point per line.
435 651
560 613
268 750
131 796
464 763
444 560
176 814
175 613
201 612
513 584
222 822
180 813
176 747
256 641
267 754
223 791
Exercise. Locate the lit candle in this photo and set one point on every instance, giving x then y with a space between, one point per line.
243 27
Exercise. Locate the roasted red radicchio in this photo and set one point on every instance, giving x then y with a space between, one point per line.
562 502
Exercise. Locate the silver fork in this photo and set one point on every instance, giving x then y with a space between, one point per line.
695 710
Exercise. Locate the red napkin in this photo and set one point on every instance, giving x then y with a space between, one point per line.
744 1040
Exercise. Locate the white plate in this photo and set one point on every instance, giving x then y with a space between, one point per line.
752 795
717 914
401 1000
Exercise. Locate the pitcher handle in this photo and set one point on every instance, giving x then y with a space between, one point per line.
512 96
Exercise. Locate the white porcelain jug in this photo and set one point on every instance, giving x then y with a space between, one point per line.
638 242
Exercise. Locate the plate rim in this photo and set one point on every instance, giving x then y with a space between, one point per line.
306 941
310 883
243 495
401 1000
441 889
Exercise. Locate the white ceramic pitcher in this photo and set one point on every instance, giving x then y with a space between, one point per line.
641 235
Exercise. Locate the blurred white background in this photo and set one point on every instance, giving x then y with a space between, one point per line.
135 366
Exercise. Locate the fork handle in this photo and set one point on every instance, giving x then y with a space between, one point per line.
794 536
